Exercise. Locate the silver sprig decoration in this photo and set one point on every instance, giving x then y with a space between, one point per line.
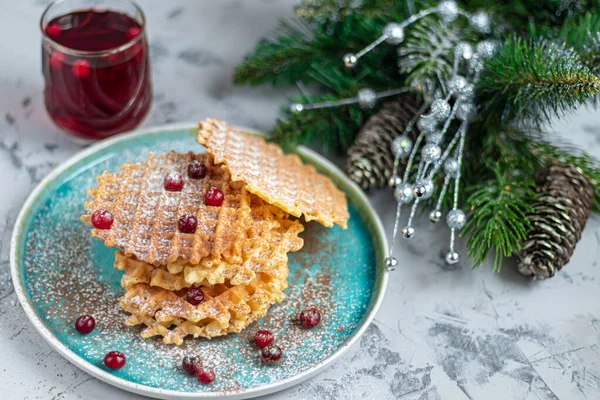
440 143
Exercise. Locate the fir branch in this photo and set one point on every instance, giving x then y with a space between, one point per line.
516 14
534 82
583 35
498 220
426 55
296 48
333 128
281 59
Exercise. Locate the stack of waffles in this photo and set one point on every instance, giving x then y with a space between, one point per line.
237 255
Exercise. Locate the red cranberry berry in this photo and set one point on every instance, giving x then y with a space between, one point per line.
191 364
194 296
205 375
85 324
102 219
114 360
188 223
310 317
214 197
57 59
196 170
132 32
263 338
81 68
271 354
173 182
53 30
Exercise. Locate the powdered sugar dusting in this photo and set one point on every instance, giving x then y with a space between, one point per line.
68 274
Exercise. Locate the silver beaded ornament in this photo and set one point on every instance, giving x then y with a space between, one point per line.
394 33
394 181
402 146
440 109
296 107
404 193
464 50
480 21
456 219
434 137
486 48
391 263
367 98
408 232
457 84
451 167
447 100
452 258
448 10
465 110
431 153
350 60
427 124
435 216
423 188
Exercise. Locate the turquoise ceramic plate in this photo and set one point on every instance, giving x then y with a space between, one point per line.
60 272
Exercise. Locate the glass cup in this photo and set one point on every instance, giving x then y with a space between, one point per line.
95 65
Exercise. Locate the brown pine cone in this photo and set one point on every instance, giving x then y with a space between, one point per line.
564 203
370 160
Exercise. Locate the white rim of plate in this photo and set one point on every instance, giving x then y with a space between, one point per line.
172 394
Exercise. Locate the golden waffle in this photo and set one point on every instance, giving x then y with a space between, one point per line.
146 215
225 309
262 251
279 179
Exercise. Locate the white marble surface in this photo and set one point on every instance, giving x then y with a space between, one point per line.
441 333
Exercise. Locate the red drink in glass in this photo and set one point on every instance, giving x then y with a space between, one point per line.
95 64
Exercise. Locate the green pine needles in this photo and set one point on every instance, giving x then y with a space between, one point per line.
548 64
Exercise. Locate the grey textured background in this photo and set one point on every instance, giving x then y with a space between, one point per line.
442 333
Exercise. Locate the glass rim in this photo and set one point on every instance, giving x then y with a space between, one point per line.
92 53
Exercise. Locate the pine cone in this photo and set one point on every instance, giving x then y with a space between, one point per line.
564 203
370 160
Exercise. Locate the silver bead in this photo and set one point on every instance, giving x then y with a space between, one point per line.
487 48
296 108
402 146
394 33
408 232
431 152
451 167
403 193
467 93
435 216
452 258
395 181
465 110
448 10
350 60
434 137
427 124
390 263
456 219
464 50
423 188
367 98
476 62
457 84
481 21
440 109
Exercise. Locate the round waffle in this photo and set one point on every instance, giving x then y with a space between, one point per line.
279 179
262 250
225 309
146 215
